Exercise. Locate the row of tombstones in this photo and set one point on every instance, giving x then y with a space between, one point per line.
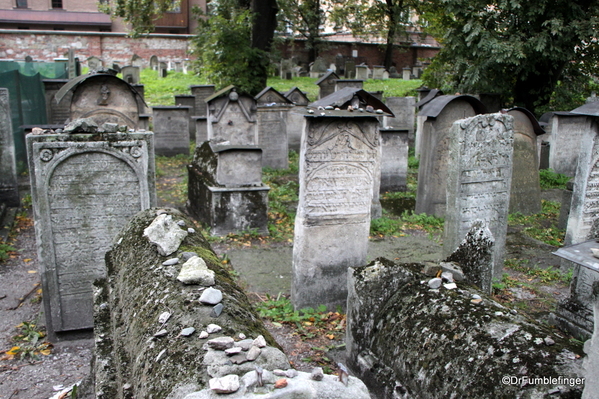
287 69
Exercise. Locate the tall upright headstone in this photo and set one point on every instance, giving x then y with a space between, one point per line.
94 64
295 117
440 113
131 74
479 181
377 72
201 93
567 130
9 187
394 160
272 109
327 84
84 187
404 109
154 63
338 162
56 113
318 68
362 72
171 130
526 187
188 100
232 118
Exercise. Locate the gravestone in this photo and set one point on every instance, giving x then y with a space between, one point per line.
393 74
295 117
406 73
84 188
405 114
342 83
57 113
188 100
439 114
232 118
162 69
286 69
362 72
154 63
377 72
225 189
94 64
72 65
9 187
201 128
338 165
171 130
394 159
137 61
106 98
272 109
591 348
130 74
567 130
318 68
525 194
327 84
479 182
575 314
350 70
201 93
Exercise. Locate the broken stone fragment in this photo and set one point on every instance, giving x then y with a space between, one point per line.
81 125
170 262
213 328
450 286
195 271
186 332
435 283
282 383
260 342
245 344
204 335
226 384
253 353
163 318
317 374
233 351
216 310
164 233
221 343
211 296
447 276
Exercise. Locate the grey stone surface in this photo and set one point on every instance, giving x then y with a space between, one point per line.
404 338
591 348
83 192
232 118
327 84
201 128
134 293
226 384
187 100
341 83
338 164
318 68
195 271
171 130
165 234
56 113
362 72
394 160
479 181
567 133
225 190
130 74
525 195
9 188
201 93
405 114
271 114
211 296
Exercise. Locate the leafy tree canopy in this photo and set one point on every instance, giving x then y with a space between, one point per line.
139 14
519 49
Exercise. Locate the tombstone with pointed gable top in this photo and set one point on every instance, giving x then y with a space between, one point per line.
225 189
201 93
339 160
440 113
272 109
232 118
479 180
9 188
84 188
525 194
327 84
171 130
94 64
295 117
130 74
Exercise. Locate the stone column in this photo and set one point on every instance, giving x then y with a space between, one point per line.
9 187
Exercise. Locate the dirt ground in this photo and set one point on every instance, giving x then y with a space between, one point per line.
44 374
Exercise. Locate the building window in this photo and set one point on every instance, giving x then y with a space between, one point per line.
56 3
21 3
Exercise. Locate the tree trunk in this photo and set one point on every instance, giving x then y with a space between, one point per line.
392 11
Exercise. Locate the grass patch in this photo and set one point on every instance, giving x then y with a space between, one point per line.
161 91
549 179
541 226
548 275
395 227
171 182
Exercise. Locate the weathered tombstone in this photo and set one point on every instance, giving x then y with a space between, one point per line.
105 98
171 130
591 362
394 159
342 83
350 70
84 189
9 187
201 93
440 114
201 128
377 71
286 69
137 61
405 114
162 69
393 74
94 64
154 63
56 113
318 68
479 182
567 130
295 117
130 74
406 73
72 65
327 84
362 72
225 189
525 194
232 118
338 164
189 101
272 109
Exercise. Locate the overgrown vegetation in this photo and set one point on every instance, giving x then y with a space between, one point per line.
29 342
550 179
171 184
541 226
5 251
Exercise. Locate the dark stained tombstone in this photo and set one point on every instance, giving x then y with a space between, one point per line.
162 69
188 100
201 128
350 70
295 117
171 130
318 68
272 109
232 118
440 114
84 187
394 159
56 113
327 84
201 93
525 194
154 63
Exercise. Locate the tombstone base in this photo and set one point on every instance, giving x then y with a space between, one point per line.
574 318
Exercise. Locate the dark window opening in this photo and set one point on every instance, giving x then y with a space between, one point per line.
21 3
56 3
